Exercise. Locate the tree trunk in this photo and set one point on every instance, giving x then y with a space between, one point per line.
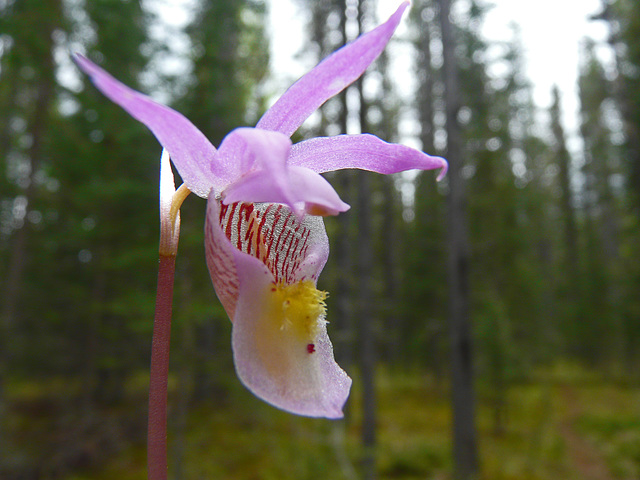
344 242
564 164
425 76
14 283
367 334
464 431
365 288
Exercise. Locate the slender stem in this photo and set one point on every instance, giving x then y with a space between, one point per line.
170 202
157 430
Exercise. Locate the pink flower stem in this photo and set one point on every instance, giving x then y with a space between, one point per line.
170 202
157 429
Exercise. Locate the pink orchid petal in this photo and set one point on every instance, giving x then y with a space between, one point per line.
262 156
291 372
316 192
366 152
328 78
257 186
293 249
313 254
190 151
304 191
219 257
314 251
245 149
275 363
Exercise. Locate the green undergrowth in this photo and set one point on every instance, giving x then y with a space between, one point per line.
612 424
533 438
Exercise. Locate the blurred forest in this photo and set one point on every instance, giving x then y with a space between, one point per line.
545 248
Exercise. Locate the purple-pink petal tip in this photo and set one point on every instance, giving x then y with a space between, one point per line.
443 169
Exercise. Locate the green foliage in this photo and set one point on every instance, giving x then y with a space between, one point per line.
624 21
79 261
244 438
230 58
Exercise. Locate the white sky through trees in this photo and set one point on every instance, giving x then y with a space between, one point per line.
551 34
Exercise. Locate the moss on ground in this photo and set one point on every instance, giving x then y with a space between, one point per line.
543 424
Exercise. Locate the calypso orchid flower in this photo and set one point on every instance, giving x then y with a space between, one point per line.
265 240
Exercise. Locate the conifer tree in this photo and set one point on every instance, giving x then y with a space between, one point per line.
464 431
424 259
27 74
623 20
83 189
229 55
602 292
28 70
108 206
568 249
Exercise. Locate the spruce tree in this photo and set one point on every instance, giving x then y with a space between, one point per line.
465 452
424 259
27 96
229 59
601 204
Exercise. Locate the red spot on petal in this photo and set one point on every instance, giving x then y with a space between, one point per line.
311 348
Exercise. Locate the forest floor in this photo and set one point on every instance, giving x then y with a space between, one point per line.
587 459
566 423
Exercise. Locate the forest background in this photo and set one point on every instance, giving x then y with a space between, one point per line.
550 247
